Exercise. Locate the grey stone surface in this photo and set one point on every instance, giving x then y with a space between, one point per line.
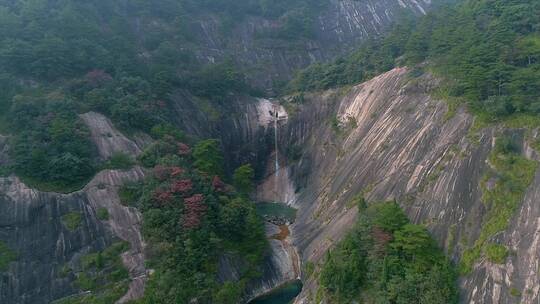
31 225
108 139
341 26
402 145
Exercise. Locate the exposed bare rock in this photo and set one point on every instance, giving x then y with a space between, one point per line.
394 141
280 266
340 27
108 139
4 150
31 225
240 125
277 188
124 222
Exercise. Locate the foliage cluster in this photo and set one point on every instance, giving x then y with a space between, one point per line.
72 220
102 275
511 174
488 51
6 256
192 219
51 147
385 259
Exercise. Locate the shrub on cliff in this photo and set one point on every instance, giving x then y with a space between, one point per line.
388 260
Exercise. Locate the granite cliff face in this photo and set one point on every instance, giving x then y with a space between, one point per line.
32 222
387 138
32 225
341 26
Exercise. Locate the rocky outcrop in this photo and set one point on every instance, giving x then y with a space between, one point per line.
280 266
109 140
4 160
241 125
340 26
388 139
31 224
124 223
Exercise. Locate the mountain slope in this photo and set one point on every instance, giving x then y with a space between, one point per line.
394 141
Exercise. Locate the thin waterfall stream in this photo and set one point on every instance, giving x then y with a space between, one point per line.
280 214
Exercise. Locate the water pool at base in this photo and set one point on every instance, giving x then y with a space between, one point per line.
279 210
281 295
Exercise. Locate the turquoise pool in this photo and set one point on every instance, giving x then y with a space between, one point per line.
281 295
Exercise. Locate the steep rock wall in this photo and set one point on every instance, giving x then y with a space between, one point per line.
241 125
341 26
31 225
109 140
387 138
31 221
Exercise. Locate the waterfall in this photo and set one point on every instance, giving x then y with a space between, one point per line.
276 118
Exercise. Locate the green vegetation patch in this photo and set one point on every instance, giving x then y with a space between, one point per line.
102 214
129 193
385 259
512 174
488 52
496 253
515 292
120 161
193 220
6 256
72 220
103 275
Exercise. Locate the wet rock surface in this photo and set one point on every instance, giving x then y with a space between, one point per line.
281 265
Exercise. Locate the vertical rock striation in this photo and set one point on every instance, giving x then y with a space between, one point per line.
388 139
31 225
338 29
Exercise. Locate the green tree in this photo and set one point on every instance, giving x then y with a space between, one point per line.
243 179
208 157
388 216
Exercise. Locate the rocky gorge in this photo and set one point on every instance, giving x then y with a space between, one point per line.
388 138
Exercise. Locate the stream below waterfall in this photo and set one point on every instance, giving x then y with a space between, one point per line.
282 295
279 215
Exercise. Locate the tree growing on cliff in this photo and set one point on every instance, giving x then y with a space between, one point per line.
208 158
243 179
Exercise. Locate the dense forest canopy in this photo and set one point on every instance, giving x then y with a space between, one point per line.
386 259
119 58
61 58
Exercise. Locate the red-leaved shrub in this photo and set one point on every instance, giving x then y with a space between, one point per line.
194 211
182 186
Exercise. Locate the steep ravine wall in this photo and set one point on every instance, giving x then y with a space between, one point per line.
339 27
396 142
31 225
31 220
